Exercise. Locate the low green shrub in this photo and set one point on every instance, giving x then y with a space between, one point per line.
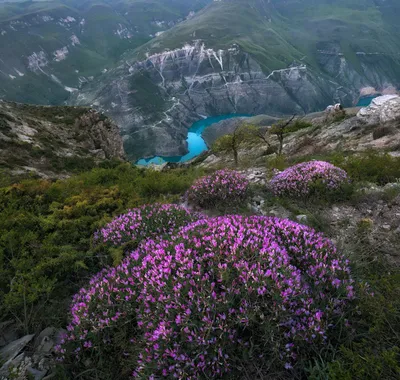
338 117
276 164
154 183
372 350
46 231
298 125
371 166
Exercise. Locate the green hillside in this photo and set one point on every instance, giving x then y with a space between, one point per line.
93 34
278 32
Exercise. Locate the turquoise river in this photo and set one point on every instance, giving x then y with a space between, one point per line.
196 144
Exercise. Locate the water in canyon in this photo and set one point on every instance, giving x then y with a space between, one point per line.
196 143
366 100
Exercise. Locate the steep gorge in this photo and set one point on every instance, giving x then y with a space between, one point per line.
246 58
187 84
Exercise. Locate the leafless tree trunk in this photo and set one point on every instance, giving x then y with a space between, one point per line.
234 147
280 133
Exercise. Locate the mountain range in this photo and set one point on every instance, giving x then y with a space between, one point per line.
49 49
158 66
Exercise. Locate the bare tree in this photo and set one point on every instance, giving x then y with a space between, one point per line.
279 130
231 143
245 133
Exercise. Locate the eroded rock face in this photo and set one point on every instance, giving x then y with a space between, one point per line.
53 141
355 134
187 84
100 135
155 100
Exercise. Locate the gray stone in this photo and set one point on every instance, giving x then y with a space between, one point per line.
36 364
210 161
46 340
375 108
38 375
390 110
158 168
10 351
302 218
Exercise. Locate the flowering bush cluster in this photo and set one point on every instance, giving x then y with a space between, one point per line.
144 222
218 288
223 187
302 179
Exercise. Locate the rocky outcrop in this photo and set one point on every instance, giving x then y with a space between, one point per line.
383 109
99 135
30 356
55 141
375 127
371 223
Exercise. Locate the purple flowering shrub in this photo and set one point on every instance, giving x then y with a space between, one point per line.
224 187
308 177
219 290
144 222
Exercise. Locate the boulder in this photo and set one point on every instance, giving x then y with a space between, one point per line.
302 218
210 161
10 351
13 358
21 364
390 110
47 339
382 109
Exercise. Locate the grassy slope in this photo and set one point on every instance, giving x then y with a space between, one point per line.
214 26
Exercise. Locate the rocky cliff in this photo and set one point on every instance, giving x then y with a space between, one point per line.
248 57
157 99
55 141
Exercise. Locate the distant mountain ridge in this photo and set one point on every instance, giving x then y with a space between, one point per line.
49 49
